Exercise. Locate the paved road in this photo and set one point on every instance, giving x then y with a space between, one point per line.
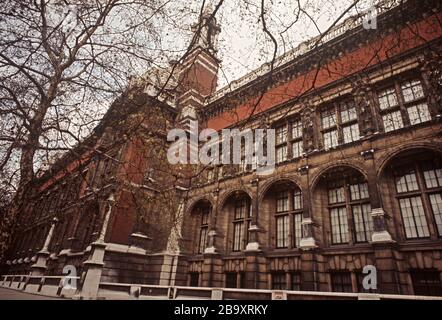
9 294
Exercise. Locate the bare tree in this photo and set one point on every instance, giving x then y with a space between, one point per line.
61 62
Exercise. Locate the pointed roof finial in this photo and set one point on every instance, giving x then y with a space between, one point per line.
208 9
207 29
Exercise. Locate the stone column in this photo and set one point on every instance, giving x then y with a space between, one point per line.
172 267
212 267
381 240
386 268
309 270
380 234
211 236
253 243
308 241
253 249
94 265
212 270
40 266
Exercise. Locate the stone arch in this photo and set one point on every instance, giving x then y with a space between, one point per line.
192 223
386 159
280 203
196 201
354 165
269 183
226 216
225 196
338 178
412 158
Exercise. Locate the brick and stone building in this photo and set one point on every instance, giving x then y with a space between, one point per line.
358 179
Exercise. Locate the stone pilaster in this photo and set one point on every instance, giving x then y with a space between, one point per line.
252 269
379 216
212 270
253 243
94 265
40 266
386 268
308 241
212 235
309 271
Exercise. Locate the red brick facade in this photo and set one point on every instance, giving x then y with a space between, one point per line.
359 182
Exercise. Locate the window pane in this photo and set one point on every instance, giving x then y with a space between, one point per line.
203 239
359 191
348 112
278 281
426 282
297 200
363 222
406 181
412 90
240 209
330 139
341 281
238 236
328 118
296 129
297 149
297 220
282 201
387 99
339 225
282 231
433 178
351 133
392 121
296 281
231 280
336 195
194 279
413 215
281 154
419 113
436 205
281 134
205 217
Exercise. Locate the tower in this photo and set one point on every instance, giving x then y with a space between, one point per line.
199 70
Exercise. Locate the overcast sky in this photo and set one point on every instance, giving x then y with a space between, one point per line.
243 46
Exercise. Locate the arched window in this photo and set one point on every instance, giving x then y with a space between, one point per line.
199 228
241 222
284 199
204 229
347 199
288 207
418 186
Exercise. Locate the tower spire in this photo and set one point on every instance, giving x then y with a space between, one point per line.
207 30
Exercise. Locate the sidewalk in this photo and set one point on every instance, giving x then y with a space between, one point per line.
9 294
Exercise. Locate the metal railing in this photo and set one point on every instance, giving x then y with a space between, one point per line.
54 286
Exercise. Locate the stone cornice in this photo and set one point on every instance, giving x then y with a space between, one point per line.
226 99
